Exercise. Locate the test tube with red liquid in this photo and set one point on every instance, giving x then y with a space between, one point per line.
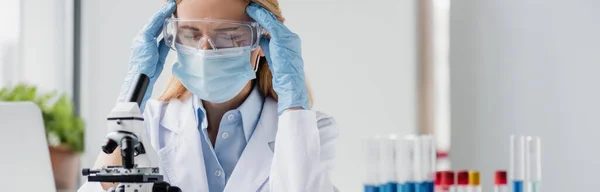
500 181
447 182
462 178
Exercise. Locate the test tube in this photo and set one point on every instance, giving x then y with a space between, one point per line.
427 172
474 181
418 164
462 178
438 181
371 150
410 176
500 184
533 175
517 162
432 154
433 165
447 181
387 165
404 164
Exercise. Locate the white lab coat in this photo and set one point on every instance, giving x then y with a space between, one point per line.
293 152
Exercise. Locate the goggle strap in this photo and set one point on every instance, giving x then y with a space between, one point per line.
256 64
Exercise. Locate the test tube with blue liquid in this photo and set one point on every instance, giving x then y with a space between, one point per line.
371 151
427 164
433 165
517 162
405 164
533 156
387 164
418 167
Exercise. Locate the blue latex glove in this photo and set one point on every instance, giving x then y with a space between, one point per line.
147 55
283 52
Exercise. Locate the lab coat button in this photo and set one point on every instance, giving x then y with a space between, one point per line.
218 173
225 135
230 117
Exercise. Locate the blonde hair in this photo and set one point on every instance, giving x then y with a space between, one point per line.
264 78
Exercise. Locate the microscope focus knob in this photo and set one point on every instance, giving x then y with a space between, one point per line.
87 171
109 146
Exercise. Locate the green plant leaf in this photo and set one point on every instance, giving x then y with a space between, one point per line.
3 93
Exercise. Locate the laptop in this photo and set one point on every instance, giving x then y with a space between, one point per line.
24 158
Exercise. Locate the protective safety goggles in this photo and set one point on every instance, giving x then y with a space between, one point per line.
211 34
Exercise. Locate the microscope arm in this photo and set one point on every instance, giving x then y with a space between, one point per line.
126 131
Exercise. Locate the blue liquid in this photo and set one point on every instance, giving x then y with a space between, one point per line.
421 187
399 187
371 188
388 187
517 186
426 186
430 186
407 187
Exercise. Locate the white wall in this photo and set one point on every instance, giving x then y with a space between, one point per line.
527 67
9 38
108 28
360 58
45 54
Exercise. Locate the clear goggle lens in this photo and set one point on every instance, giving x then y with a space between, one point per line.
211 34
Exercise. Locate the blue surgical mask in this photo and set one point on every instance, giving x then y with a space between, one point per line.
214 75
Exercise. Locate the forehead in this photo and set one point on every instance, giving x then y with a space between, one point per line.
213 9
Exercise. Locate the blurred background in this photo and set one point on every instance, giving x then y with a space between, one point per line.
471 72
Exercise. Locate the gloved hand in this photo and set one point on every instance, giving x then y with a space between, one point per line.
147 55
283 52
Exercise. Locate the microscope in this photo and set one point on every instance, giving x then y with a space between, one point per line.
125 128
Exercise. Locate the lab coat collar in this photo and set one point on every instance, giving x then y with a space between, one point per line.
177 115
250 111
181 158
253 167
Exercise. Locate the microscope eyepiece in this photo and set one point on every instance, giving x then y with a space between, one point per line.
141 85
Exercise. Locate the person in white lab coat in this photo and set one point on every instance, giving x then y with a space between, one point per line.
231 122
